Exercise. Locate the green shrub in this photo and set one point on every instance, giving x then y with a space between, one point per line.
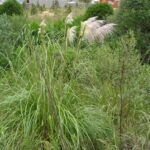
11 7
102 10
34 9
34 28
135 15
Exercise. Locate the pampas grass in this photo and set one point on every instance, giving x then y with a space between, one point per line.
71 34
69 19
90 29
103 31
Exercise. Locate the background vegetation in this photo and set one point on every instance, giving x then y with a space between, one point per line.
11 7
101 10
137 18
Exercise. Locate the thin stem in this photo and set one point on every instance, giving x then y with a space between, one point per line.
65 37
121 103
122 61
52 101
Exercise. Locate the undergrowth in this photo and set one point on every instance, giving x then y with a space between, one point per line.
51 99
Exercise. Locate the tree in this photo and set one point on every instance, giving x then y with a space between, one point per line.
135 15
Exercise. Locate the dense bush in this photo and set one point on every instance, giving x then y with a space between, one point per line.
11 7
135 15
102 10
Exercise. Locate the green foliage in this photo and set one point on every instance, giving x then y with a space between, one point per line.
135 15
57 98
18 22
42 8
55 4
85 1
55 30
77 22
34 28
101 10
7 40
11 7
1 9
68 9
34 9
24 6
55 95
10 31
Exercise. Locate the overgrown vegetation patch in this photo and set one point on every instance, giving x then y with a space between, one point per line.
74 83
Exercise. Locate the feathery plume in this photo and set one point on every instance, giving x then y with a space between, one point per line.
92 28
88 28
86 32
92 19
71 34
43 24
104 30
69 19
39 32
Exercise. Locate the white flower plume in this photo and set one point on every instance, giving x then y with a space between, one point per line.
69 19
39 32
88 28
104 30
92 19
43 24
71 34
92 28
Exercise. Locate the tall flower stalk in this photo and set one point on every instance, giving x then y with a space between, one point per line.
48 90
69 20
